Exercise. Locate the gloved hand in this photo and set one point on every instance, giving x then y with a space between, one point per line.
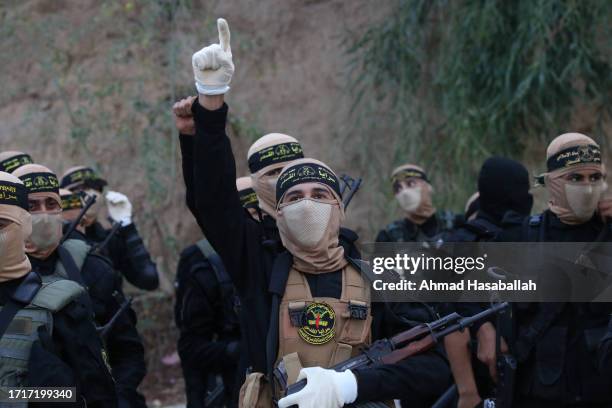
213 66
324 388
119 208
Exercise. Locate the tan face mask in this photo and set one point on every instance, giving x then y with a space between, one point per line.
409 198
13 261
573 203
265 188
309 230
416 202
307 220
582 199
46 234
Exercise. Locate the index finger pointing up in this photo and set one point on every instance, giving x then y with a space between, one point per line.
224 35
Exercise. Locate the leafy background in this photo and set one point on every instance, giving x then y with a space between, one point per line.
364 85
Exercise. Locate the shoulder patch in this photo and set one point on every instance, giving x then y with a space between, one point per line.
535 220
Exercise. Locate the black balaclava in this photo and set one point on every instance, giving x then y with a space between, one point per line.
503 185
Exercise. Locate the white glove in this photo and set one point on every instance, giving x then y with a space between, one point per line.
119 208
213 66
324 388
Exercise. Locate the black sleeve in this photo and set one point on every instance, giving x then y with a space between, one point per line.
216 202
132 259
419 379
605 352
186 142
123 344
382 236
200 313
80 348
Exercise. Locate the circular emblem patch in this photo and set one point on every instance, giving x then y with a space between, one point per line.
319 324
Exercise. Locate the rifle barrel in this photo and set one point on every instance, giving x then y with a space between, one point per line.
468 321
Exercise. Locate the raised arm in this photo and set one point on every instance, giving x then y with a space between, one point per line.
208 161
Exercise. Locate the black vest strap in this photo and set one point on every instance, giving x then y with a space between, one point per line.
228 294
278 282
74 274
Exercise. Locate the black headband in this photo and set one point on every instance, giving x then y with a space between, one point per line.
279 153
13 163
248 198
574 155
13 194
408 173
306 173
40 183
83 176
72 201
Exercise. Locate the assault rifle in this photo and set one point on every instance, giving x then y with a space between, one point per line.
352 186
404 345
97 249
103 331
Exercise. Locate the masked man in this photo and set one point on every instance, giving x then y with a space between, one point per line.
413 193
558 366
47 337
309 213
266 157
206 315
125 248
73 260
503 193
12 160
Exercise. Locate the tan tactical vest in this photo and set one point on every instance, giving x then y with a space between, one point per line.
324 331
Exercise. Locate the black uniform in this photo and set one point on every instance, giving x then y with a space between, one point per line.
123 344
605 352
405 230
128 254
74 343
559 367
209 340
249 254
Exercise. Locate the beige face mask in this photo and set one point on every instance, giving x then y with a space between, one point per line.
13 261
307 220
46 234
309 230
573 203
582 199
409 198
265 188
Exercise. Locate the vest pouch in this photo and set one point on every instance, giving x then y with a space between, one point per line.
550 355
342 353
356 330
255 392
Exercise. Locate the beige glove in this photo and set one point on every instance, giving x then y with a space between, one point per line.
213 66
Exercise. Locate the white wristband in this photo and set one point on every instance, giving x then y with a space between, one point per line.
211 89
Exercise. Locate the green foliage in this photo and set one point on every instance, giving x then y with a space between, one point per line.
457 81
